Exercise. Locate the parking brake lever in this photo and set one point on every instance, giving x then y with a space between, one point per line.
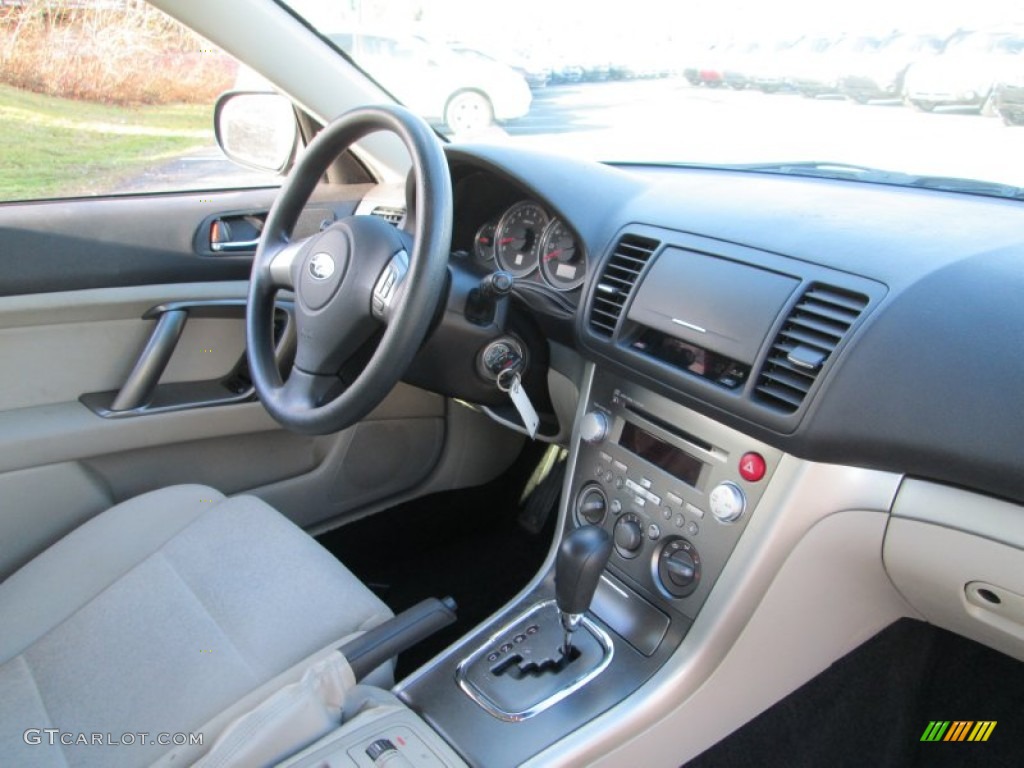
385 641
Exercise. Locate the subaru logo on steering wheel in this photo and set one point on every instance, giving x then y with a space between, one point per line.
321 266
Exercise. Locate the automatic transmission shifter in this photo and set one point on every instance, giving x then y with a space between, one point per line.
540 658
581 560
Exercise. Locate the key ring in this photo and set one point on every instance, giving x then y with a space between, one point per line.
511 372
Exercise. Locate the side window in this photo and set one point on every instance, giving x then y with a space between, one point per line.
107 99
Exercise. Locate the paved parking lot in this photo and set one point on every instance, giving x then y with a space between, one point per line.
672 120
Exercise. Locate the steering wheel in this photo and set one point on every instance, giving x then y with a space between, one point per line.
354 278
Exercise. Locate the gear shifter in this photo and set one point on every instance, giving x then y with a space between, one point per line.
581 560
549 651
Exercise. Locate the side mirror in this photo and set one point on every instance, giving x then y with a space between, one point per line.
257 130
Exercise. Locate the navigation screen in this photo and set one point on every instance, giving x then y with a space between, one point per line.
680 465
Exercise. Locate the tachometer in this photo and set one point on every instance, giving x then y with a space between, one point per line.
483 243
517 239
562 262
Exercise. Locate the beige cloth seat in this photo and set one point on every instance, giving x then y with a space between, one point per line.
155 617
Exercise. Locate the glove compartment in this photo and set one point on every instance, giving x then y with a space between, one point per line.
958 559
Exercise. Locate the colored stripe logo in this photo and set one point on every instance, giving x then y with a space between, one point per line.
958 730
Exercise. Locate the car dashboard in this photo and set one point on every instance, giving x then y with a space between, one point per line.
792 399
846 322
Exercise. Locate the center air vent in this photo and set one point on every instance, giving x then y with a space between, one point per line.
391 215
617 282
817 325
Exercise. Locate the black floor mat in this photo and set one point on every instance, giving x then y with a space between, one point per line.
872 707
463 543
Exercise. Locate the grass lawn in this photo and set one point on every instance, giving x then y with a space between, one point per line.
52 147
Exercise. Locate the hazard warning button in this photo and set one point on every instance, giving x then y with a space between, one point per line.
752 467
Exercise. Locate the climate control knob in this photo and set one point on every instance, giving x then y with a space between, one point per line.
629 536
727 502
591 505
678 567
594 427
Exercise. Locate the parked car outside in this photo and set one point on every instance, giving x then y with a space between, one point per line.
1008 98
802 61
879 73
565 70
434 79
593 55
741 63
636 59
535 73
766 67
706 66
824 74
963 76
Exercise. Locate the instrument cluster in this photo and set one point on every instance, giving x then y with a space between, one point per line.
526 240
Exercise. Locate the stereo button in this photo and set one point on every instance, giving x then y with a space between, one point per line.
629 536
594 427
727 502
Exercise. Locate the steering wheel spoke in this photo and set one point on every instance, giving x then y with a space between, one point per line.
306 391
283 264
389 285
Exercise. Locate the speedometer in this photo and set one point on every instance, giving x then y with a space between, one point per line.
561 261
517 239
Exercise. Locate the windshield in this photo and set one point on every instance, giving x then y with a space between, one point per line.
915 89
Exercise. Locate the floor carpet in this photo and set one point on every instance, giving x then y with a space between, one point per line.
872 708
466 544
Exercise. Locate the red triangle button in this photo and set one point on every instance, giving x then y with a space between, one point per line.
752 467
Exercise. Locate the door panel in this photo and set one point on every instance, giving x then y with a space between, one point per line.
97 335
66 245
61 462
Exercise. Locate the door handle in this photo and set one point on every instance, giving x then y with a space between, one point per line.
235 234
234 246
138 389
142 391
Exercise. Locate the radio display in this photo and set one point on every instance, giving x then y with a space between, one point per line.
680 465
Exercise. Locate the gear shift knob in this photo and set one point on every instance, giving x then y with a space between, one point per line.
578 567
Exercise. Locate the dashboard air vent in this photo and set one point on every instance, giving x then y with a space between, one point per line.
813 330
391 215
617 281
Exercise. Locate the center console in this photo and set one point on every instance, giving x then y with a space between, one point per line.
673 490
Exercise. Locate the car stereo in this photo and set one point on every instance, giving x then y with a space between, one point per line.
675 489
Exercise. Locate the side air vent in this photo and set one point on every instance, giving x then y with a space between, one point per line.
813 330
391 215
617 282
